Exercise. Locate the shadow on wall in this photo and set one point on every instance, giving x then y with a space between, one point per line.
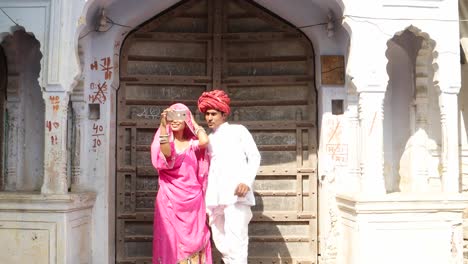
266 240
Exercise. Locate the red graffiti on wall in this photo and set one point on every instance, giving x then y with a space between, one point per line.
94 66
335 147
51 125
54 139
98 131
98 93
106 68
55 102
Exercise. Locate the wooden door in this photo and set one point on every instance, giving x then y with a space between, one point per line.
267 68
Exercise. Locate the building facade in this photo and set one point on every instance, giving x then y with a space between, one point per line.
358 109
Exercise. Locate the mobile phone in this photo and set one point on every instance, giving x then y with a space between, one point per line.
180 115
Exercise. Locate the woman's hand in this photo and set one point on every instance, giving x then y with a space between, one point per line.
163 122
200 133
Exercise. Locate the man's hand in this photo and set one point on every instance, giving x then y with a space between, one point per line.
241 190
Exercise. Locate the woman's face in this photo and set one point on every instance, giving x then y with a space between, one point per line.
177 125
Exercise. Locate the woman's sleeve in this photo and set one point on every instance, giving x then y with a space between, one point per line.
195 145
203 164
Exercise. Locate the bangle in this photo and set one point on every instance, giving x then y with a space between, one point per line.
163 140
199 129
163 136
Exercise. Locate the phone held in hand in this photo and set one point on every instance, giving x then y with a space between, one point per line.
179 115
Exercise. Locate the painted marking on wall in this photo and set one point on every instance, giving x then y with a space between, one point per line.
94 66
50 125
51 128
106 68
98 93
98 86
55 102
338 153
373 122
98 131
334 147
54 139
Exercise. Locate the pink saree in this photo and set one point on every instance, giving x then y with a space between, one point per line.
180 229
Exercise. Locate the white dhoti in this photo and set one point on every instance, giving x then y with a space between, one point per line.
229 229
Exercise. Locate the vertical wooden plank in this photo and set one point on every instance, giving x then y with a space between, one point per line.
299 153
224 44
133 143
217 43
120 243
299 193
209 53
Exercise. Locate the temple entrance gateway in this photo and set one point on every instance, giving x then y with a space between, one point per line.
267 67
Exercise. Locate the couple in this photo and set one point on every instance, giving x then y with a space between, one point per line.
202 175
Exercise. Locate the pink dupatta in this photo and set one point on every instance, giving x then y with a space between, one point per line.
180 228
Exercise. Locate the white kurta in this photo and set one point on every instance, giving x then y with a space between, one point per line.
234 159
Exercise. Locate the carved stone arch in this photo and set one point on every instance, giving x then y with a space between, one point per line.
419 131
23 111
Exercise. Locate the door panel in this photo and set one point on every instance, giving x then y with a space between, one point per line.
266 66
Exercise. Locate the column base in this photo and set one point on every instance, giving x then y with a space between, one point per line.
49 229
401 228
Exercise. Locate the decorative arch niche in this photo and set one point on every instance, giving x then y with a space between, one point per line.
412 127
23 113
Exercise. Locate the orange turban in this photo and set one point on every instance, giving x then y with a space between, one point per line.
216 99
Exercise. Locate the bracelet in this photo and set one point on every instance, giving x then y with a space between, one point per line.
199 129
163 140
163 136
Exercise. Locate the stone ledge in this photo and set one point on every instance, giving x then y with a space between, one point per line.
402 202
52 203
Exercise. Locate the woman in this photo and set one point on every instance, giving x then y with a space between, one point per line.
181 234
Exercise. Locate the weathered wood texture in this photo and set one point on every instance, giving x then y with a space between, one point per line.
267 67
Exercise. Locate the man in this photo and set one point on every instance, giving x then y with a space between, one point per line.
234 161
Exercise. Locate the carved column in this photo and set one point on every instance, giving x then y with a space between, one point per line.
353 142
55 158
448 103
12 145
79 112
371 123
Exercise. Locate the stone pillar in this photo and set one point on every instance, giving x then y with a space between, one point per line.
371 123
55 147
12 145
79 113
354 170
448 103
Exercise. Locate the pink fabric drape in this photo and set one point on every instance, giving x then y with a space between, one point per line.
180 228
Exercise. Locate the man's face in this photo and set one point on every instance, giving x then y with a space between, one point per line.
214 118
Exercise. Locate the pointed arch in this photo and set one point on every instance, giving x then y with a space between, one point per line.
412 112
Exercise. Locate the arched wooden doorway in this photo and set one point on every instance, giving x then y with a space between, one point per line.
267 67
